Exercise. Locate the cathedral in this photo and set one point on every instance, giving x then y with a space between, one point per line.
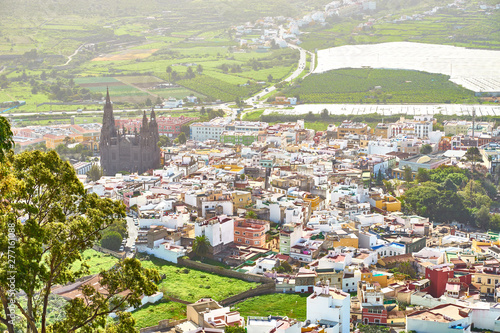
132 152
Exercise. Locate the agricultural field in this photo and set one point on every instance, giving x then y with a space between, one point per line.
191 285
468 28
379 86
290 305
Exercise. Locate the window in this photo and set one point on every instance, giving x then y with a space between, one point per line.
239 239
257 242
489 281
256 235
378 299
478 280
237 232
247 241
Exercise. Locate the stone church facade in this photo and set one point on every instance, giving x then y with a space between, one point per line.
123 150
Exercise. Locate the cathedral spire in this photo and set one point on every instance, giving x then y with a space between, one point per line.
108 100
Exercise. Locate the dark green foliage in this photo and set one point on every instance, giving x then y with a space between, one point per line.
235 329
426 149
201 246
111 240
397 86
6 141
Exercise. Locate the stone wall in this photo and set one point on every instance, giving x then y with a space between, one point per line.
263 289
162 325
110 252
224 272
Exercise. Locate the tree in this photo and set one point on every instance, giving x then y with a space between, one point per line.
169 72
423 175
473 155
49 220
164 141
234 329
182 138
201 246
95 173
270 78
111 240
426 149
189 73
482 216
148 102
251 214
379 177
6 138
199 69
325 114
408 174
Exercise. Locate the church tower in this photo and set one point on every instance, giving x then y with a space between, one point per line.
108 134
126 151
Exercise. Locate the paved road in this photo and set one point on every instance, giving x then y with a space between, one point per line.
71 56
300 68
132 233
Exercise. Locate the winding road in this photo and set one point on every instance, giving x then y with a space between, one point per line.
71 56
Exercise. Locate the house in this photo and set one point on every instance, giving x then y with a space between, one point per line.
446 318
250 232
207 313
330 308
219 231
372 303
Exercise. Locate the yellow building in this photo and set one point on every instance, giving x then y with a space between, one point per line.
385 202
383 278
349 241
241 199
485 282
315 200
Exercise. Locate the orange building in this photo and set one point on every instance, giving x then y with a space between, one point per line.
250 232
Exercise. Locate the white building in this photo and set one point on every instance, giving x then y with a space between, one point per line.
164 250
219 230
210 130
423 129
446 318
329 305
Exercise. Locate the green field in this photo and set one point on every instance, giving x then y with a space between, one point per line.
97 261
290 305
191 285
379 86
151 314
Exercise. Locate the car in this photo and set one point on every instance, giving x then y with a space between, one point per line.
132 248
121 249
64 113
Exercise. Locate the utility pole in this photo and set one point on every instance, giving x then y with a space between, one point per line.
473 122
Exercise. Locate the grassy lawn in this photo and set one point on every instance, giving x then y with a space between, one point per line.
291 305
151 314
254 115
191 285
97 261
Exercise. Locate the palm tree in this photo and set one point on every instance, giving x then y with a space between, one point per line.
201 246
251 214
